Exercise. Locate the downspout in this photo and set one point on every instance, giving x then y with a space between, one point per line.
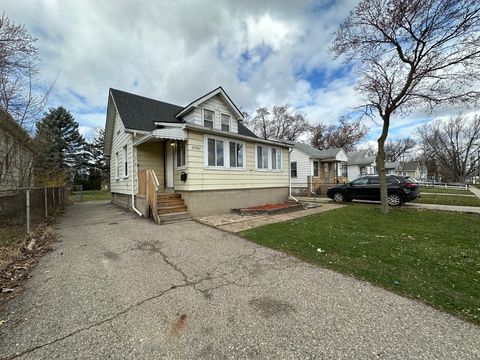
290 196
133 178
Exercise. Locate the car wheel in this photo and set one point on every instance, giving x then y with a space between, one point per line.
338 197
394 199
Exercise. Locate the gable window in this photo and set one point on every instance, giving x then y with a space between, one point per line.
125 163
225 122
236 154
180 154
315 168
276 159
293 169
215 152
208 116
262 157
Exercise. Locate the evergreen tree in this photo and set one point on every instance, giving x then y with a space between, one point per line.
62 149
99 171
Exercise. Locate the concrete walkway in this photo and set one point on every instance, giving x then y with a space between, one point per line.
121 287
237 223
475 191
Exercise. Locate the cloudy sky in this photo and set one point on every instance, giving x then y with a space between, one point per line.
261 52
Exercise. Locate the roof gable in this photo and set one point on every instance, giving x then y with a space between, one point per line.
200 100
316 153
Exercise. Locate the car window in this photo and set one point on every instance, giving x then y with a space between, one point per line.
392 180
374 181
360 181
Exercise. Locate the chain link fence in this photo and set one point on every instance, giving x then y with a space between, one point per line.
21 210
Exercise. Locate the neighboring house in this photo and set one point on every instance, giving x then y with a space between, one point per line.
16 154
310 168
203 159
391 168
361 163
414 169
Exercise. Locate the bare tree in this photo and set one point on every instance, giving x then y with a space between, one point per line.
453 144
280 123
410 54
346 135
19 79
395 149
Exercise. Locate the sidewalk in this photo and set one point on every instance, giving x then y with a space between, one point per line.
475 191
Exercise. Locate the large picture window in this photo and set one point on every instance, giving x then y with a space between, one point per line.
262 157
208 116
224 153
268 158
215 152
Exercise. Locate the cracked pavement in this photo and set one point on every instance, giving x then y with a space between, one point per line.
118 286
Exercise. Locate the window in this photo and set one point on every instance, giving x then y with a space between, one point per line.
215 152
315 168
208 118
360 181
374 181
276 159
225 122
325 171
236 154
125 163
262 157
117 167
180 154
293 169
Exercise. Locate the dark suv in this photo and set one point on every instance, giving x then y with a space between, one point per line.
400 189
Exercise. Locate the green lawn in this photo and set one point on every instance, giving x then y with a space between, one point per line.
426 255
91 195
448 200
444 191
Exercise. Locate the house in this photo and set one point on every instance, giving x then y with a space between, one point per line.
200 158
313 170
391 167
361 163
413 169
17 154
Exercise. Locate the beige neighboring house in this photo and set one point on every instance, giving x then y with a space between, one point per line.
16 155
413 169
175 161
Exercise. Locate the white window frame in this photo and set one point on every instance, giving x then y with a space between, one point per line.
117 169
229 122
184 166
226 153
125 161
213 118
296 169
269 158
318 168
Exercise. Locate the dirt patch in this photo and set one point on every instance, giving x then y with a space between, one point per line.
17 259
269 208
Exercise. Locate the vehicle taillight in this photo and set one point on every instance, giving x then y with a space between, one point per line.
411 185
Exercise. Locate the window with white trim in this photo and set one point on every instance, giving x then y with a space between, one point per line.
276 158
225 122
180 154
315 168
117 168
236 154
125 162
293 169
208 117
215 151
262 157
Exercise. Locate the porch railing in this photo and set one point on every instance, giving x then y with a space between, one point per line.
148 186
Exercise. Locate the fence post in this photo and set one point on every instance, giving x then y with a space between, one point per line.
28 210
46 203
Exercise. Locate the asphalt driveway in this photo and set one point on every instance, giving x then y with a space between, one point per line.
118 286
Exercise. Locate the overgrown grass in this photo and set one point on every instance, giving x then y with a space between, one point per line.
9 234
426 255
444 191
91 195
448 200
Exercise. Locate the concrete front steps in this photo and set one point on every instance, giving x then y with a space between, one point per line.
171 208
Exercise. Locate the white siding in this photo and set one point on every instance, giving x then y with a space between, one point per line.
353 172
217 105
304 167
120 184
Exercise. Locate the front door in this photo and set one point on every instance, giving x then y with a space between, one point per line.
169 164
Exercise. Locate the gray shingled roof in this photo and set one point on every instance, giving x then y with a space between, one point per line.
316 153
360 158
412 166
140 113
391 165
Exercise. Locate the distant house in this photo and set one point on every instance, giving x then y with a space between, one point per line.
391 168
201 159
311 168
414 169
16 154
361 163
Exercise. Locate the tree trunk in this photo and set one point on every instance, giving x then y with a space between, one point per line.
381 164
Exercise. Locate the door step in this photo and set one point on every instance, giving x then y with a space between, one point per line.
174 217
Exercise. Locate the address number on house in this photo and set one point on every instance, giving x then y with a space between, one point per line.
196 147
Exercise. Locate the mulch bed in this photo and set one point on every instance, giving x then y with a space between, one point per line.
269 208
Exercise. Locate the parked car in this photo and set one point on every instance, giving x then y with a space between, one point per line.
400 190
